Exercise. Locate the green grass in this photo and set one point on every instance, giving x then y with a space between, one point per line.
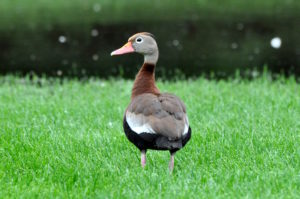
66 140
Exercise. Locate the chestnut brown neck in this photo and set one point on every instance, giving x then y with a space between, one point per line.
145 81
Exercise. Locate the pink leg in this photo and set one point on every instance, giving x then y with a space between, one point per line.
171 163
143 158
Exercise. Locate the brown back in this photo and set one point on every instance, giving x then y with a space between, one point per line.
164 113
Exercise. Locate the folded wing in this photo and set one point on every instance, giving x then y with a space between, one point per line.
162 115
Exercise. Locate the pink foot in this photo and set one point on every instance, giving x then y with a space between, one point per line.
171 163
143 158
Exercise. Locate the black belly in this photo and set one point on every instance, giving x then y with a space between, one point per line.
145 141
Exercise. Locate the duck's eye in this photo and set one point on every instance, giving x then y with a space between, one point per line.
139 40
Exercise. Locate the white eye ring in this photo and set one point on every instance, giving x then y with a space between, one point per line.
139 40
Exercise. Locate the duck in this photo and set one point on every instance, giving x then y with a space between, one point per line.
153 120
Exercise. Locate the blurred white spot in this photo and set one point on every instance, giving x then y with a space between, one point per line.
276 42
65 62
254 73
256 51
32 57
97 7
62 39
95 57
175 42
250 57
110 124
234 45
59 72
240 26
94 33
102 84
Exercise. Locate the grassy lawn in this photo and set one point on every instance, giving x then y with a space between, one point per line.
66 140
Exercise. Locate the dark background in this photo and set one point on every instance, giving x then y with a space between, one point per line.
75 38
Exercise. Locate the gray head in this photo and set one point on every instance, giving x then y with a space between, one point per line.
142 43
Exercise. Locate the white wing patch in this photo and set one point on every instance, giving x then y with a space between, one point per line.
186 126
138 124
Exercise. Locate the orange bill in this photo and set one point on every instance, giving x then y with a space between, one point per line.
127 48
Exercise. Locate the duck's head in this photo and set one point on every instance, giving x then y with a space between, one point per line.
142 43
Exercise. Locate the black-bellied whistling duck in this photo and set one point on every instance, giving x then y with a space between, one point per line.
153 120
